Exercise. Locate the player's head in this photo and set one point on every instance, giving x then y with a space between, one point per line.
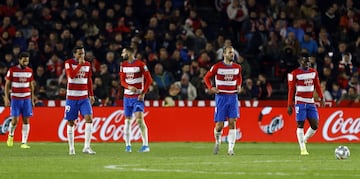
228 53
127 53
79 52
24 58
304 60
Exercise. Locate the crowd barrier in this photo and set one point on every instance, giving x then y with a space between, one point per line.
189 124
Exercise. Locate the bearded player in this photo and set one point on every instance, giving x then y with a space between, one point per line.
227 85
136 79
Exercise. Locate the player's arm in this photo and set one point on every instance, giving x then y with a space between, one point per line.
32 88
90 87
239 81
291 86
122 78
207 80
318 90
8 79
148 81
7 92
70 72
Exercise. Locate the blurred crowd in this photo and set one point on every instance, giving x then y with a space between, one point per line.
180 40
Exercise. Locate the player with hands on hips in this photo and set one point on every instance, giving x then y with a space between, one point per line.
228 79
302 83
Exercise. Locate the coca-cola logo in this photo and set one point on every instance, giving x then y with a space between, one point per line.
336 127
104 128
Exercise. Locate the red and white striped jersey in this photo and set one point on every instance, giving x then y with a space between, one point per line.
304 82
20 81
134 74
79 82
227 77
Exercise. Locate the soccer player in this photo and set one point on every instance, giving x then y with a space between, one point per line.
79 97
227 85
304 81
136 79
21 81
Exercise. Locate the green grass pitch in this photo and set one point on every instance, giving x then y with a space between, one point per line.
178 160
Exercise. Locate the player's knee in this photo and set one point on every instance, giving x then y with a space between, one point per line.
300 125
140 121
314 127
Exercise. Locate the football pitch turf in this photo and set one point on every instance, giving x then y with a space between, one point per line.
178 160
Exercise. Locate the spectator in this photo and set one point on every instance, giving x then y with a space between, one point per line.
101 92
40 78
249 91
309 44
163 79
351 96
201 89
345 65
326 93
237 13
265 87
187 90
153 93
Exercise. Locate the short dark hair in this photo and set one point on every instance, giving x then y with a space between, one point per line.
77 48
24 54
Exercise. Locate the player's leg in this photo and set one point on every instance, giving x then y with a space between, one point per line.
219 118
128 110
233 113
313 118
139 115
300 114
15 113
71 114
86 111
26 113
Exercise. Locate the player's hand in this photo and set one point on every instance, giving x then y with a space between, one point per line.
322 102
6 101
92 100
239 89
141 97
132 89
213 90
33 100
81 60
289 110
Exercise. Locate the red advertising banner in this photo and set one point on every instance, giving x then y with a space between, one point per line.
193 124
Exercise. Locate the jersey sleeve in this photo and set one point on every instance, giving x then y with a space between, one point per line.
239 82
291 87
148 79
70 72
122 78
9 75
208 76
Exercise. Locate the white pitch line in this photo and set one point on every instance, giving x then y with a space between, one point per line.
137 168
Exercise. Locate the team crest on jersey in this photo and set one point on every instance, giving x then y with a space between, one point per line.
22 79
228 77
308 82
130 75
